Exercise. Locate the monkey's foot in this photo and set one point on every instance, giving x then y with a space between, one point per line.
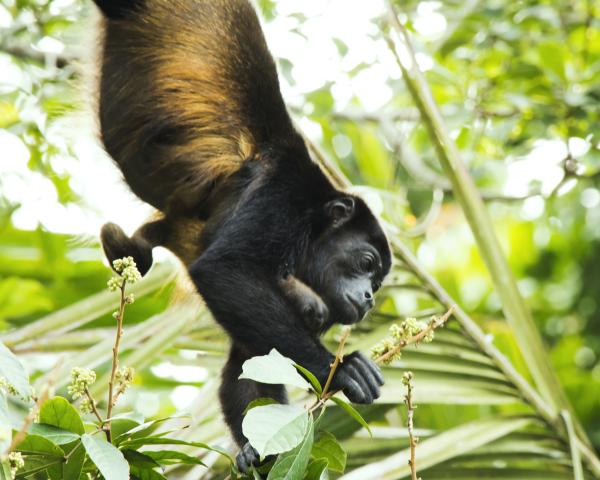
247 458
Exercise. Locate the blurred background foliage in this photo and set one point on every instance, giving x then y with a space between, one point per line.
518 84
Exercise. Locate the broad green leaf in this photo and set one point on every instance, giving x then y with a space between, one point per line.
13 372
5 422
109 459
59 412
34 444
275 428
56 435
311 378
172 457
328 448
273 368
350 410
317 470
292 465
259 402
5 470
74 464
38 464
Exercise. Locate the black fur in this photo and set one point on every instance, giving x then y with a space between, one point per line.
272 214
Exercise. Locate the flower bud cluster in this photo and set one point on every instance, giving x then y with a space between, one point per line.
124 377
81 379
407 378
15 461
127 272
400 335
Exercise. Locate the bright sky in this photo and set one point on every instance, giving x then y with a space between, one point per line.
316 61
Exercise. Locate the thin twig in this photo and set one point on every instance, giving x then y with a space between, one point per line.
435 323
327 394
339 358
411 434
93 406
115 361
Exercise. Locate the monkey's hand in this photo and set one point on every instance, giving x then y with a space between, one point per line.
246 458
359 378
314 312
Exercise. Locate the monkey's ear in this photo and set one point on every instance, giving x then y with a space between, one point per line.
340 210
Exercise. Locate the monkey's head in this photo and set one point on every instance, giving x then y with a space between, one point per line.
348 259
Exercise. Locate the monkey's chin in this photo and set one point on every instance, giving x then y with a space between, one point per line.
350 314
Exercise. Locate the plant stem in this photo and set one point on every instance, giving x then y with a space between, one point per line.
93 406
435 323
339 358
411 435
115 361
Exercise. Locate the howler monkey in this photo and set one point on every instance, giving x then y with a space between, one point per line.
190 110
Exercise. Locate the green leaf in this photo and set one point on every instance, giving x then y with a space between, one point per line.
60 413
291 465
5 470
328 448
552 58
34 444
12 370
119 428
139 459
144 429
157 440
172 457
259 402
146 473
54 434
74 464
317 470
350 410
275 429
311 378
273 368
444 446
109 459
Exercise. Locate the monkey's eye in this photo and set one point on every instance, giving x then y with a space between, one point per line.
367 263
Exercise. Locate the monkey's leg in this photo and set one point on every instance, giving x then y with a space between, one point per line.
235 395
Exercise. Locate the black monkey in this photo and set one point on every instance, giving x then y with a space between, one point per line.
190 109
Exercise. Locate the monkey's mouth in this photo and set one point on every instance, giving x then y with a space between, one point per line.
359 310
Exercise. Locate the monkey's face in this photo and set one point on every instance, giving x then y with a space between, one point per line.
348 261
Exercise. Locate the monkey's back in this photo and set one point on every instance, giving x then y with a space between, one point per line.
188 92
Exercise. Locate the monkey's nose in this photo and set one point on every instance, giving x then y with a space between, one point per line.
369 300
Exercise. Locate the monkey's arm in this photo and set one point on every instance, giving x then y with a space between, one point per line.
249 304
245 299
306 301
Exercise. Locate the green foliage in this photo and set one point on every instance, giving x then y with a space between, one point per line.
517 83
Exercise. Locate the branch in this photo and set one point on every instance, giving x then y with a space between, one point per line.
435 323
